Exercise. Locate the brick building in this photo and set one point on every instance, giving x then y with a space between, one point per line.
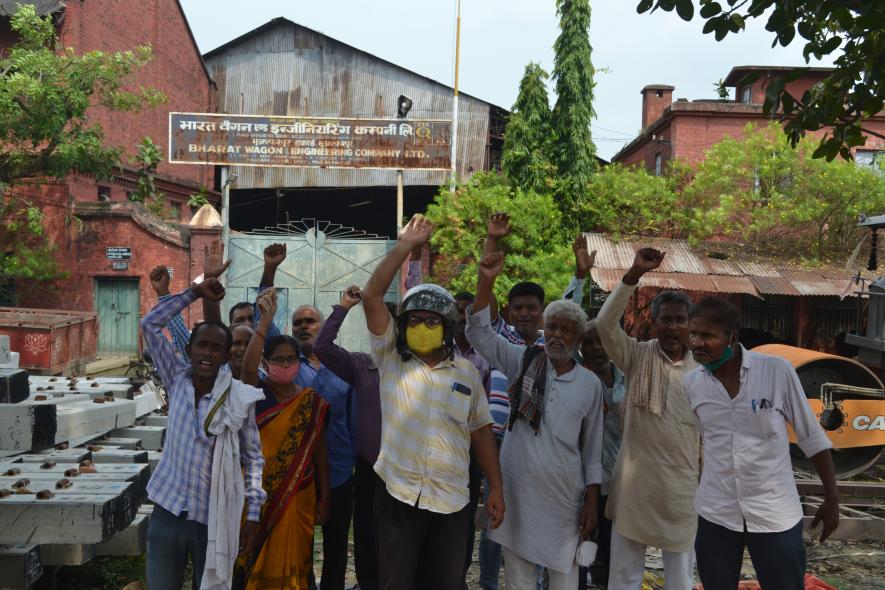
118 288
687 129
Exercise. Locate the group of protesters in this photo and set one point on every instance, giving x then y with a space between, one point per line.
572 433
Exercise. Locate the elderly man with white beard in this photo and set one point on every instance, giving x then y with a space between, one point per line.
551 458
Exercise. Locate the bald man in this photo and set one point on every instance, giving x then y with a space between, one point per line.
340 441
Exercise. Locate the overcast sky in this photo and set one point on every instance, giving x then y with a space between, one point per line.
499 37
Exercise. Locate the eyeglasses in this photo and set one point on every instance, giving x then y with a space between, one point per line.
430 321
283 360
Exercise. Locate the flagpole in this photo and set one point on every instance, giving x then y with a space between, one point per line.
453 178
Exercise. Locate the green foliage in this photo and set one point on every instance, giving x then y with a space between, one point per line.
148 158
721 89
574 152
45 94
198 199
760 190
538 249
631 201
527 137
854 92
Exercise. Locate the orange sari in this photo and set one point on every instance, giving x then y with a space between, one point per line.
283 557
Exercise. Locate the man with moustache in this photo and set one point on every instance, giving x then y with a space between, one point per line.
744 402
658 466
551 458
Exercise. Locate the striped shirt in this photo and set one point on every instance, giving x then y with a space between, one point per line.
182 480
429 414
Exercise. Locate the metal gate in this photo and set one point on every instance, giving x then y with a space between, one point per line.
322 260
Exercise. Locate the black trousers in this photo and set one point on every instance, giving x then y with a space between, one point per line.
778 558
475 487
335 537
413 542
365 552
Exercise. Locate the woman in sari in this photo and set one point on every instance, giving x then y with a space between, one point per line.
291 421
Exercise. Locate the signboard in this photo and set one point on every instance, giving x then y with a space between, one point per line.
119 253
120 265
309 142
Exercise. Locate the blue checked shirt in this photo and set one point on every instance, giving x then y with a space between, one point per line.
179 332
182 479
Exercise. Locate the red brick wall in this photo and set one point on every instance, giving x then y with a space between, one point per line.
176 69
653 105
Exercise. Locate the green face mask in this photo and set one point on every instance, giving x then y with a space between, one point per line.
423 340
726 356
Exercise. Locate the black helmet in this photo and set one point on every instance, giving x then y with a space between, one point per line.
427 297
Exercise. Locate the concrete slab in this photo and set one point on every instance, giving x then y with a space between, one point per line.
152 437
155 420
66 456
137 473
43 379
145 403
76 421
20 565
26 427
119 456
13 385
64 518
122 443
132 541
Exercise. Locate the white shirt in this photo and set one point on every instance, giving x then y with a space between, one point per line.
747 474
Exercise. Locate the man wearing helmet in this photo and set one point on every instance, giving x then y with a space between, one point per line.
434 412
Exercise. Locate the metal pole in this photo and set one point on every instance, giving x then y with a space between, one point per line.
453 179
225 216
399 201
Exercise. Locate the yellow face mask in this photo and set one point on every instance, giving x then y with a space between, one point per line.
423 340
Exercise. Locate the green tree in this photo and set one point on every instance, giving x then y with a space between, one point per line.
760 190
45 131
539 249
574 152
629 200
527 137
853 29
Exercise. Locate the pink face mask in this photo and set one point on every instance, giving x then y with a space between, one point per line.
282 375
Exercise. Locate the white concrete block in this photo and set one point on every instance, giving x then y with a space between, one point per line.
64 518
155 420
25 427
152 437
119 456
14 359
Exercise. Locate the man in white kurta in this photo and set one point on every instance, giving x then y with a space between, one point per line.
551 468
657 469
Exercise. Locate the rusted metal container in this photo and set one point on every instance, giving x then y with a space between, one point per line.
50 341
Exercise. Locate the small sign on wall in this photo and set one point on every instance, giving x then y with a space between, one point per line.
120 265
118 253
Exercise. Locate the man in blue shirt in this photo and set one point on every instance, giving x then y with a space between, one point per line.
340 442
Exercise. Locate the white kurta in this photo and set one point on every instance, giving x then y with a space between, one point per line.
545 474
657 469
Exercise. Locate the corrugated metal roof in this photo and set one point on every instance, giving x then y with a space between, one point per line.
774 286
43 7
286 69
732 284
690 270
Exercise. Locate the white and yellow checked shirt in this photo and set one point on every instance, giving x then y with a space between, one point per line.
427 414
